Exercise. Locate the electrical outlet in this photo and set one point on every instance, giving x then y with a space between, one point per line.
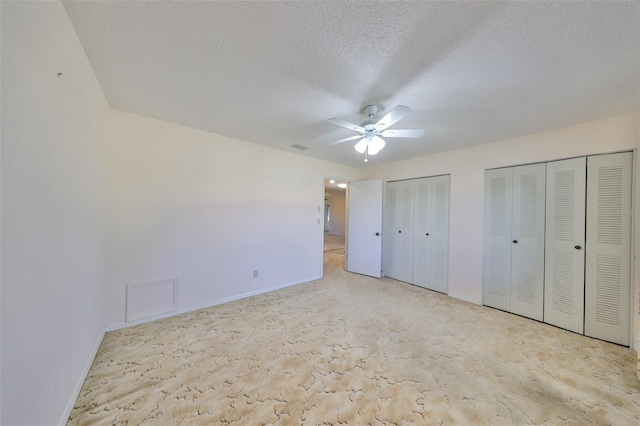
255 273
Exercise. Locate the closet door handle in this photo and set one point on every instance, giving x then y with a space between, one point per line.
399 232
578 247
427 234
515 241
377 234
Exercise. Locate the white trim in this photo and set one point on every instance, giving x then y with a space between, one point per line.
119 326
85 372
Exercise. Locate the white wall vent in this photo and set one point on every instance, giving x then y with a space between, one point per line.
147 299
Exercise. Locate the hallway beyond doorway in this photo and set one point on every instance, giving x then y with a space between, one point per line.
333 242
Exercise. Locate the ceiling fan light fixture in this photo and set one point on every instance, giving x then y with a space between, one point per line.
372 151
375 145
361 146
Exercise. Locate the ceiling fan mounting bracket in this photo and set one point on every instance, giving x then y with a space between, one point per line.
371 110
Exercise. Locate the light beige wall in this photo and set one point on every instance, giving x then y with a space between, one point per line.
53 199
209 210
338 204
467 167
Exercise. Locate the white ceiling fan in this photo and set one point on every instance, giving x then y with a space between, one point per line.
372 131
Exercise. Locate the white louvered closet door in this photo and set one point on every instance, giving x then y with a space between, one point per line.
528 228
564 245
439 235
422 262
431 233
608 250
399 234
496 288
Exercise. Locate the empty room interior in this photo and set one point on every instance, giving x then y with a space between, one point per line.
319 212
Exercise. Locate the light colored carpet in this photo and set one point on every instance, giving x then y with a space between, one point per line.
333 242
349 349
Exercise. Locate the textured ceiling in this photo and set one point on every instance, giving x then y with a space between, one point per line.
274 72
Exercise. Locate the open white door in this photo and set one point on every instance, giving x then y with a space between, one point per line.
364 244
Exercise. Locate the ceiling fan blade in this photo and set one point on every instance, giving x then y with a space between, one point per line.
340 122
395 115
413 133
346 139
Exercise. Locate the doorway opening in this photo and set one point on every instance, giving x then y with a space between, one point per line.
335 222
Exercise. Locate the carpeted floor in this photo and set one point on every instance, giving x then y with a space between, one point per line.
349 349
333 241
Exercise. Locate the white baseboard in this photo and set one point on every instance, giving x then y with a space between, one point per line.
85 371
122 325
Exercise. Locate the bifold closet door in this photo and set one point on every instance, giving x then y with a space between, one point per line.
439 235
564 245
399 232
431 233
527 245
423 191
496 289
608 250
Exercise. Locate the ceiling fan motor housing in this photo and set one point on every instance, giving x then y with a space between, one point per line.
370 132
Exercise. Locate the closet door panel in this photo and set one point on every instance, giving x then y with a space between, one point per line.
528 228
391 220
564 245
438 238
399 231
422 261
608 248
496 288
